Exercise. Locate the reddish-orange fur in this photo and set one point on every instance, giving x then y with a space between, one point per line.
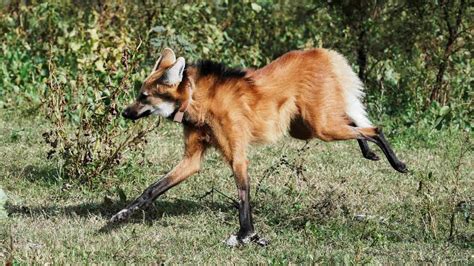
296 92
302 92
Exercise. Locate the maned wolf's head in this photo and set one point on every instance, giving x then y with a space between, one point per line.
161 92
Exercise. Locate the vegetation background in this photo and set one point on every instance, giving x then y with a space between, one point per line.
68 160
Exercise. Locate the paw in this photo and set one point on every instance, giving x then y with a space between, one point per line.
371 156
121 216
234 240
402 168
261 241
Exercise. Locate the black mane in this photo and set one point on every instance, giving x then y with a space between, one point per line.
208 67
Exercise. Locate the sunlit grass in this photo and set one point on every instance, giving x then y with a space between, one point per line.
341 209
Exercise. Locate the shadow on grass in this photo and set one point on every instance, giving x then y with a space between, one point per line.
36 174
178 207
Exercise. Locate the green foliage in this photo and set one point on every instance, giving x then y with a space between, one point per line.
403 44
99 135
79 69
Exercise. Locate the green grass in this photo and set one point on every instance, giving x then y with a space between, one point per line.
342 209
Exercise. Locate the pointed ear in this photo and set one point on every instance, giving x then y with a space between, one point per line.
157 64
166 59
174 74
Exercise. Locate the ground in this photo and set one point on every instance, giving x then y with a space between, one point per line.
316 202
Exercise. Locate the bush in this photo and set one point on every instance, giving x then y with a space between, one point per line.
88 134
80 70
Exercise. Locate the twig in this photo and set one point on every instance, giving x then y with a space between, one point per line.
121 147
457 169
213 189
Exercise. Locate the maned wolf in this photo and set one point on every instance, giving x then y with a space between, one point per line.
311 93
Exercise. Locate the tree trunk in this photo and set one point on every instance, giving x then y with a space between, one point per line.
362 53
453 34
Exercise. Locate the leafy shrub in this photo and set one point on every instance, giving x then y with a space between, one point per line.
89 102
82 71
88 134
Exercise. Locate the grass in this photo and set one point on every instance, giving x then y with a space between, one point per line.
322 203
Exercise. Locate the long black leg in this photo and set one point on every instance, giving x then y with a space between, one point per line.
380 140
189 165
245 214
366 151
145 199
246 232
364 147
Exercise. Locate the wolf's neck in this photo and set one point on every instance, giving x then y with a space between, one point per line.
209 87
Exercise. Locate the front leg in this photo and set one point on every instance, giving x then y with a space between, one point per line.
152 192
190 164
246 232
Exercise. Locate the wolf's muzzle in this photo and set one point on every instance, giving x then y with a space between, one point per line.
129 113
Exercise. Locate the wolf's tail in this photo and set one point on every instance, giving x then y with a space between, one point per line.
353 90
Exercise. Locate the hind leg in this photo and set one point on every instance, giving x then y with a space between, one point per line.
380 140
299 129
366 151
344 132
